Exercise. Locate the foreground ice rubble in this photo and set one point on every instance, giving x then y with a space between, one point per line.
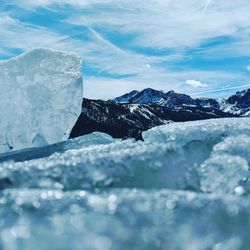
40 98
45 151
185 187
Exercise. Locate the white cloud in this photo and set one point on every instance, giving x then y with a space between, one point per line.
248 68
46 3
224 89
106 57
99 52
17 35
169 24
100 87
157 24
196 84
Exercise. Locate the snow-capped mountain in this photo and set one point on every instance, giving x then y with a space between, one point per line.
129 120
240 99
127 97
137 111
236 104
208 103
170 99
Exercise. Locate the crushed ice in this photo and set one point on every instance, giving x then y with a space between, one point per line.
185 187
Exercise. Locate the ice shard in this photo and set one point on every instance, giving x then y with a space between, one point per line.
40 98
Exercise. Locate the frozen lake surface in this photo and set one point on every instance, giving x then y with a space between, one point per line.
185 187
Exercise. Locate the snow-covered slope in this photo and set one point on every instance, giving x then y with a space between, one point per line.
129 120
185 187
151 96
208 103
240 99
147 96
238 104
127 97
40 98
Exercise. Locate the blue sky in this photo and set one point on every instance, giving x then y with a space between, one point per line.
199 47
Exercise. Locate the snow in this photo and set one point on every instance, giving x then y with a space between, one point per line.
151 96
126 98
40 98
185 187
247 114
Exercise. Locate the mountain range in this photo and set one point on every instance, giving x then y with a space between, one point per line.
236 104
130 114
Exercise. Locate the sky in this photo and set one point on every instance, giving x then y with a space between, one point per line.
197 47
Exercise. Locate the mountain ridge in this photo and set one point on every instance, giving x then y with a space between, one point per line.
238 103
130 114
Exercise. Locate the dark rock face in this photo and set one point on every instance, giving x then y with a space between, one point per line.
129 120
170 99
240 100
173 99
137 111
125 98
117 120
208 103
239 103
236 104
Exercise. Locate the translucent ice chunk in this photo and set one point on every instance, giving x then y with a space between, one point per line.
223 174
227 170
40 98
208 130
95 138
122 195
227 143
170 157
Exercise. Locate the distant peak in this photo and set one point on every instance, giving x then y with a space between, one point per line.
149 89
171 92
172 99
152 90
244 92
